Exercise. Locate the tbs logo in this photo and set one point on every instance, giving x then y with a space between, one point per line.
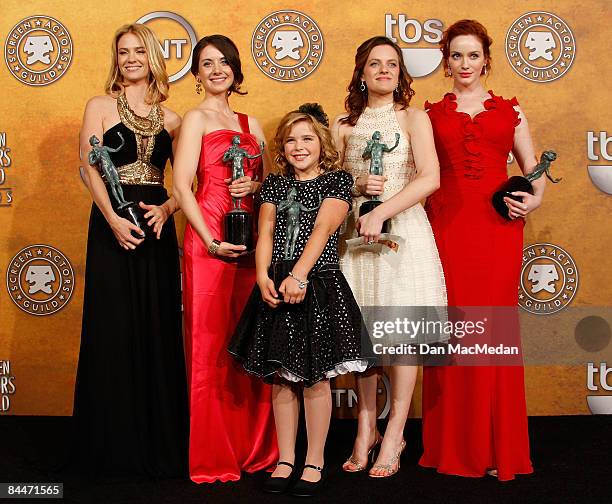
598 378
419 61
597 150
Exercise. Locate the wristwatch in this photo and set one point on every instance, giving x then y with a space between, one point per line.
213 247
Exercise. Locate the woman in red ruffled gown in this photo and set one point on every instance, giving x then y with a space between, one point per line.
232 427
474 417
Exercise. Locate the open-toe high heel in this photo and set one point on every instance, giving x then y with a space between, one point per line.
391 467
372 452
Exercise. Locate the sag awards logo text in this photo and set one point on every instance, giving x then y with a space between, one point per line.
287 45
7 386
38 50
177 39
419 61
40 280
6 192
549 279
540 46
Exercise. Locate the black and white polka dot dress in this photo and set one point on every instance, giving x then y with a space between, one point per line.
323 336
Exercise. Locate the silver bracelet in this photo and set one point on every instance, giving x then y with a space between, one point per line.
301 283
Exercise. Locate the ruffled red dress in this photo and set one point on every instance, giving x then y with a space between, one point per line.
232 425
474 417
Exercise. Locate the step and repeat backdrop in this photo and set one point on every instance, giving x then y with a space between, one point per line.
550 55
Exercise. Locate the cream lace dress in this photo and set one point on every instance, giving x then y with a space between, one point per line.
419 280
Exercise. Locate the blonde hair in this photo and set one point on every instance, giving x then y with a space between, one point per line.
329 159
158 77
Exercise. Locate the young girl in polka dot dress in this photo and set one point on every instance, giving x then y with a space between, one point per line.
308 328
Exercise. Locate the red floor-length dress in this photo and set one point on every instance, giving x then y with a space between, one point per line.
232 426
474 418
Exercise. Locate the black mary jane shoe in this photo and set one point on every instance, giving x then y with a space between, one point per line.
305 488
277 484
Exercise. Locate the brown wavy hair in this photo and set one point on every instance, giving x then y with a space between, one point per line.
227 47
466 27
158 88
356 101
329 160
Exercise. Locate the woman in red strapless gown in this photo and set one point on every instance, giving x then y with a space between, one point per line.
232 427
474 417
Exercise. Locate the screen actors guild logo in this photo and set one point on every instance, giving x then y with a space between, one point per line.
287 45
38 50
419 61
597 149
549 279
40 280
540 46
6 193
176 46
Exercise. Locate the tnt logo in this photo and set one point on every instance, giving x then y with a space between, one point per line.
177 39
38 49
597 150
541 45
598 379
287 44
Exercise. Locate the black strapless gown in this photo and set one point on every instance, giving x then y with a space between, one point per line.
130 404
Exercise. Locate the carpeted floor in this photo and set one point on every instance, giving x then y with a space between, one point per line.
572 457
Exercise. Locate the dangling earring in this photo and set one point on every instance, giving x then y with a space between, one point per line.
485 69
396 90
362 88
448 72
198 86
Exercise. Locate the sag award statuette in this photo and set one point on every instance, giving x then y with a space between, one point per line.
99 155
238 223
518 183
293 208
374 151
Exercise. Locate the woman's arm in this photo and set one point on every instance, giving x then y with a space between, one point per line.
525 156
427 180
263 253
92 125
184 171
330 216
158 214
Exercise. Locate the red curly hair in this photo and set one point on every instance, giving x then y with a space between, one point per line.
466 27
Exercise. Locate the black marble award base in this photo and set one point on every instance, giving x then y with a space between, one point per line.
368 206
513 184
238 228
132 212
280 271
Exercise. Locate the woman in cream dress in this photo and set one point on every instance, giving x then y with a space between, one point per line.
379 94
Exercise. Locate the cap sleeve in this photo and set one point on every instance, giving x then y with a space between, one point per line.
270 188
338 186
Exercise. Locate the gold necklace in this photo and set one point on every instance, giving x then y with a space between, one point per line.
145 126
